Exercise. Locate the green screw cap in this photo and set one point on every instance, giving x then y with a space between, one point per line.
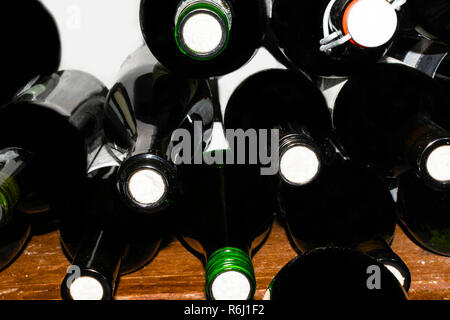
233 262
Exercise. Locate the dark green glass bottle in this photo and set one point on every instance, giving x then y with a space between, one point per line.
334 38
290 104
403 126
143 109
334 273
203 38
224 214
347 206
58 120
105 239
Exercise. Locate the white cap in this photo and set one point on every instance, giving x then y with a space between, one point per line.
371 23
299 165
396 273
86 288
203 33
146 186
438 164
267 295
231 285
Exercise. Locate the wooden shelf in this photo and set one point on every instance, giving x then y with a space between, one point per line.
176 275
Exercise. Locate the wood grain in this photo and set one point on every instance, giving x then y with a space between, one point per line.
176 275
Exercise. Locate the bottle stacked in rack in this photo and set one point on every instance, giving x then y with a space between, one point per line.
334 38
203 38
402 132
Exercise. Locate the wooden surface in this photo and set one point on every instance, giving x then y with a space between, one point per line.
176 275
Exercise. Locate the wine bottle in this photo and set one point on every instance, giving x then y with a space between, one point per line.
203 38
291 105
58 121
347 206
424 213
334 38
223 217
403 126
105 239
433 16
27 57
143 109
334 273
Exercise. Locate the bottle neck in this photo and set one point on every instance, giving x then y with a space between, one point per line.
146 183
300 159
202 28
230 275
12 162
427 148
95 268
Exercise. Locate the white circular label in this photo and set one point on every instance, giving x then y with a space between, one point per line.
372 23
147 186
202 33
231 285
438 164
86 288
299 165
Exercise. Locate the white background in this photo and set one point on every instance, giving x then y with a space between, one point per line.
96 35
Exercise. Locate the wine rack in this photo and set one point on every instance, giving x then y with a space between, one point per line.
176 275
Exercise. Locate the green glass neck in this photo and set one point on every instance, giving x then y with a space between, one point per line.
226 260
12 162
189 8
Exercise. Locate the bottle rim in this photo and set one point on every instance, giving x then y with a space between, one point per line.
162 176
295 151
146 186
89 284
299 165
215 13
433 165
230 265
